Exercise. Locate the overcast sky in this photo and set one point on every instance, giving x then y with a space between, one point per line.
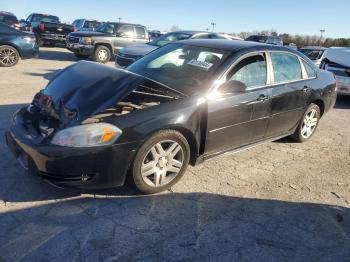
295 16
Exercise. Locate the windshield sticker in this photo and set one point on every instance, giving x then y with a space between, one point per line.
200 64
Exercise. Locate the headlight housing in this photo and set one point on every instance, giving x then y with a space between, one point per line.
85 40
89 135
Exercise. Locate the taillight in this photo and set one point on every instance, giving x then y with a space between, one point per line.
336 82
42 27
75 29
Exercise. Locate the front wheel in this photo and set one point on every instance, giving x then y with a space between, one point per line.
308 124
160 162
9 56
102 54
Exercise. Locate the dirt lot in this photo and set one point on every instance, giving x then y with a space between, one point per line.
282 201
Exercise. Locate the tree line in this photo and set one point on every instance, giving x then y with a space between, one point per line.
300 40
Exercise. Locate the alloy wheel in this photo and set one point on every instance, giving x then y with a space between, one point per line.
309 123
8 56
162 163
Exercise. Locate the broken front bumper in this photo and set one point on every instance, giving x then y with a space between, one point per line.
88 168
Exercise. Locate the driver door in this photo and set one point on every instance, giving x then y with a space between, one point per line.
239 119
125 36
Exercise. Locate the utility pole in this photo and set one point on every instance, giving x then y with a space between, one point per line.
213 26
322 32
119 19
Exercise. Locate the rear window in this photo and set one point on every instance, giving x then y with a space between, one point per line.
140 32
46 18
257 38
169 38
91 24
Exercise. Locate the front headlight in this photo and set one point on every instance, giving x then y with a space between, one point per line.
89 135
86 40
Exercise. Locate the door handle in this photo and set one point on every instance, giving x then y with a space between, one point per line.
262 98
306 89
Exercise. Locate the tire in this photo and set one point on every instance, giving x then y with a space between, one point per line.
102 54
9 56
39 41
309 121
152 170
80 56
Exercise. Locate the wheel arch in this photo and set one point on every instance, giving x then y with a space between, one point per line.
320 103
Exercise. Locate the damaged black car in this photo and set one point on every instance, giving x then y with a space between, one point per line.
94 126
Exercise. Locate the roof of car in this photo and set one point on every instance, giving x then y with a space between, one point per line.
234 46
190 32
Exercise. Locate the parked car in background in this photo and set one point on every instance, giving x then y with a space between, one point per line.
153 34
267 39
16 45
94 126
337 61
48 29
11 20
86 24
106 41
315 53
128 55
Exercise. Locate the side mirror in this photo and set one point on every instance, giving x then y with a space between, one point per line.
232 87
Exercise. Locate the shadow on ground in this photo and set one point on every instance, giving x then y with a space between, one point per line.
57 55
39 222
343 102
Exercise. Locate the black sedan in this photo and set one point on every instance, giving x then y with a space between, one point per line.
16 45
94 126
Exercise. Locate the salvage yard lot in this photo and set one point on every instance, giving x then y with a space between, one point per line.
282 201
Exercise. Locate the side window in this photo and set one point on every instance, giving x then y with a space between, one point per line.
251 71
217 36
140 32
286 67
29 19
309 70
127 31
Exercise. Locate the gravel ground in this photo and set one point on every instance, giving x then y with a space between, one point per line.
282 201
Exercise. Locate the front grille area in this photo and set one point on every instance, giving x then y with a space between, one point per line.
73 39
125 61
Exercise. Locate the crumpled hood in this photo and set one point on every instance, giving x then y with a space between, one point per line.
138 50
339 55
86 88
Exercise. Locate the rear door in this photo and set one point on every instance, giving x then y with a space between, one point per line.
240 119
290 93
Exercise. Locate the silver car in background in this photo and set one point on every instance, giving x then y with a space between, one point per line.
337 60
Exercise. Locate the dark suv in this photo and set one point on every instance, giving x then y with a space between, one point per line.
106 41
11 20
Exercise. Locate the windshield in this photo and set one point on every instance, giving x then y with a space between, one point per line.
312 53
46 18
169 38
108 28
182 67
91 24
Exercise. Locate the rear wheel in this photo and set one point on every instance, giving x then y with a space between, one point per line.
160 162
9 56
102 54
308 124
